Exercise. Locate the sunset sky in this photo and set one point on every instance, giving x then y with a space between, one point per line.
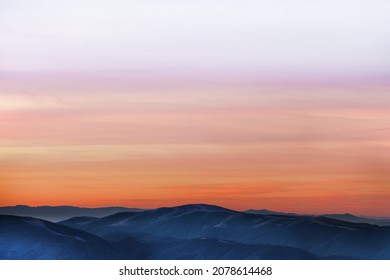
281 104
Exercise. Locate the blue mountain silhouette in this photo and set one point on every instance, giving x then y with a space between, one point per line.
195 231
58 213
30 238
320 236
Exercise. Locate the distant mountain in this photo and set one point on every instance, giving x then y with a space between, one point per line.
58 213
32 239
161 221
320 236
342 217
355 219
267 212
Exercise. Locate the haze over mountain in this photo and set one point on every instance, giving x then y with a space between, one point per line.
347 217
58 213
355 219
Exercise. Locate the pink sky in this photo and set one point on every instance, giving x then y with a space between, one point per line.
300 149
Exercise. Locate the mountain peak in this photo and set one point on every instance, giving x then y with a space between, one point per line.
345 215
200 207
267 212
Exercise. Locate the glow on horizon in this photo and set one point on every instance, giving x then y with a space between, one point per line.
306 151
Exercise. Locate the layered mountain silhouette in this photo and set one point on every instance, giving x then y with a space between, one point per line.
354 219
196 231
30 238
347 217
58 213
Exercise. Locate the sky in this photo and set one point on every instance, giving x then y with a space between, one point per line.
281 105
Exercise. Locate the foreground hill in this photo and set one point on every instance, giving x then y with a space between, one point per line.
34 239
212 249
31 239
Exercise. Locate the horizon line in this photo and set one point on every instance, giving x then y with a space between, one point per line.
249 209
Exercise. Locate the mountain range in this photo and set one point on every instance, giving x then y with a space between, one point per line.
195 231
58 213
363 220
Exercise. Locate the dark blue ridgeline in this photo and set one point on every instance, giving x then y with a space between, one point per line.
195 231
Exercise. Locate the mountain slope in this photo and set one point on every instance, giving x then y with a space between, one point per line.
30 238
355 219
320 236
212 249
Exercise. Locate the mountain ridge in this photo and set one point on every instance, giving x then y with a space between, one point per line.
198 231
320 236
58 213
31 239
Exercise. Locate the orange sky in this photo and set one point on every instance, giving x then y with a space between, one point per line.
313 149
255 105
